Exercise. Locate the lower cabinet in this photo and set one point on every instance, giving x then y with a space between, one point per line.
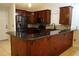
60 43
40 47
14 46
46 46
20 47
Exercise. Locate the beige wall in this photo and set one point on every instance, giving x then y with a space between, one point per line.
9 8
76 39
12 18
4 8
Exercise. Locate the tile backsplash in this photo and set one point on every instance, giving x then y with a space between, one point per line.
50 26
32 26
58 27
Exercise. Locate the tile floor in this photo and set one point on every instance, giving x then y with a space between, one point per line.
5 49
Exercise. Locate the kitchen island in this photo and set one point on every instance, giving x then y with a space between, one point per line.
45 43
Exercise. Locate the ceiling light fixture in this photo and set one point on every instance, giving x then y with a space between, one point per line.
29 5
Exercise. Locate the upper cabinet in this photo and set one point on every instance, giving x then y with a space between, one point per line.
27 14
32 17
45 15
65 15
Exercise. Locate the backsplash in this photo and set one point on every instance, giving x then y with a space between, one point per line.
58 27
50 26
32 26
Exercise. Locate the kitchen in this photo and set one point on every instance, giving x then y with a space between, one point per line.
40 40
42 31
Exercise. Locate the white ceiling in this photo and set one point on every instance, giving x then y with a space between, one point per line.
39 6
24 6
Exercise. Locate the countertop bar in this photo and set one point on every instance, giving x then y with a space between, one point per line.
34 36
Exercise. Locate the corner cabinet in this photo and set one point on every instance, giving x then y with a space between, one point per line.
66 15
33 16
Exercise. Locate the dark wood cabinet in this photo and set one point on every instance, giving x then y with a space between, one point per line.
59 43
52 44
33 16
20 47
27 14
20 12
31 19
67 38
56 44
65 15
40 47
13 46
46 46
45 15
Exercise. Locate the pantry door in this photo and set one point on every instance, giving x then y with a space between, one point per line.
3 23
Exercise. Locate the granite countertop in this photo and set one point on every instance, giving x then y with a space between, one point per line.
34 36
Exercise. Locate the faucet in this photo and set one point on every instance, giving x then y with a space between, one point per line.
54 26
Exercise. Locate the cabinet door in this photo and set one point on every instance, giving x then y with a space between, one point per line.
47 17
52 45
40 47
21 12
57 44
20 47
68 38
31 18
65 15
23 48
39 14
14 46
35 16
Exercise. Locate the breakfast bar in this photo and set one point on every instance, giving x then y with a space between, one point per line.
45 43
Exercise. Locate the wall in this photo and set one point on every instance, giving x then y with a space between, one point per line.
75 16
4 21
76 39
12 24
75 24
